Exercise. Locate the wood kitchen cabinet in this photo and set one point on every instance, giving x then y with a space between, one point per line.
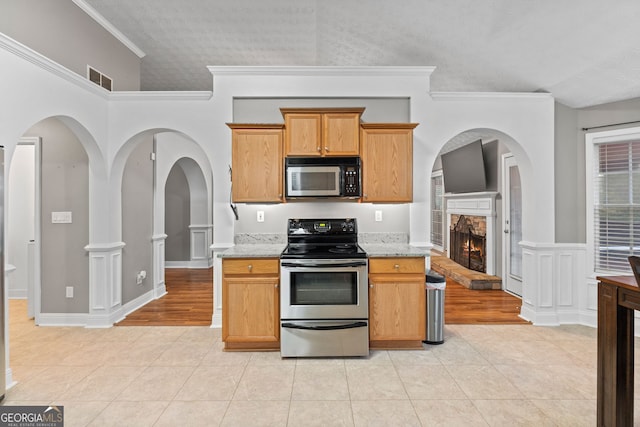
256 162
397 302
322 132
387 162
251 303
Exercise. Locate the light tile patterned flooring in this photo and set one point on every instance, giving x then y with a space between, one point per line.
498 375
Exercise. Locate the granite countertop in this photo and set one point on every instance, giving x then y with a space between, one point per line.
254 250
264 250
393 249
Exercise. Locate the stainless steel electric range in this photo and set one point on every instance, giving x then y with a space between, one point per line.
324 303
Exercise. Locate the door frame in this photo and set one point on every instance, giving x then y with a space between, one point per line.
508 160
37 231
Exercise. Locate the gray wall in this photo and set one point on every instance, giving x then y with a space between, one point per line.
570 160
65 188
63 32
177 214
137 220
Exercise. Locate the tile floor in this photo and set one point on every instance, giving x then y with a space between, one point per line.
179 376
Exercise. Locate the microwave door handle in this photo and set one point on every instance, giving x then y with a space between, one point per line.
289 325
334 265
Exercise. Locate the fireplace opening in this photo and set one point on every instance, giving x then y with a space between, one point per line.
468 242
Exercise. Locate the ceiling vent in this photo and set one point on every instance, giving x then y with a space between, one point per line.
100 79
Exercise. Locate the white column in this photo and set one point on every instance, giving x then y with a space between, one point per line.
105 284
8 269
216 318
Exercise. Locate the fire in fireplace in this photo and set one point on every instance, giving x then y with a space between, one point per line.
467 243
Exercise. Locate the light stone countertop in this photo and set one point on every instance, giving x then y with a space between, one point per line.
393 250
269 250
257 250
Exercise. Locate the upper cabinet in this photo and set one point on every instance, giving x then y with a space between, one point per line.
256 162
387 162
322 132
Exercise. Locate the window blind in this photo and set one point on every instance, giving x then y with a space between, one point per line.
437 211
617 205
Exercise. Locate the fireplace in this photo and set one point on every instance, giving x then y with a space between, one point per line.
480 210
468 239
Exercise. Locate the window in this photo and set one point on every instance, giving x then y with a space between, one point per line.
437 210
616 200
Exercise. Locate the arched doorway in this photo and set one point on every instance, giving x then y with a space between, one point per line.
502 192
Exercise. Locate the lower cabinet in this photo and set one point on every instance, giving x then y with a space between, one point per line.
397 302
251 303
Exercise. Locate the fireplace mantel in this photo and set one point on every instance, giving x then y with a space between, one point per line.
475 204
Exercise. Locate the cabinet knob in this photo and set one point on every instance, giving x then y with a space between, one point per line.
317 148
371 286
276 285
280 196
326 149
250 267
397 266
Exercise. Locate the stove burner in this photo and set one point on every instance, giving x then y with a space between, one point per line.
302 249
342 249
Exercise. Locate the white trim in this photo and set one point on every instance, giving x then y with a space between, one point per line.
109 27
17 294
63 319
137 303
195 264
54 68
104 247
201 95
363 71
469 96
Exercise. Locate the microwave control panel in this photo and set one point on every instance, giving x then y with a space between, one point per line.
351 181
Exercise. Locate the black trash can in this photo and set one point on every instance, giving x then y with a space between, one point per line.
435 286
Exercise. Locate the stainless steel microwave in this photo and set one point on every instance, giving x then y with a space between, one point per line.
322 177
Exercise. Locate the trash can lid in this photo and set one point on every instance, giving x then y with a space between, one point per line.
433 277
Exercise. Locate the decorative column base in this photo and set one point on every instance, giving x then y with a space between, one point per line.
105 282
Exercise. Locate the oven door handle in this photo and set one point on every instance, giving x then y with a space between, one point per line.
325 328
332 265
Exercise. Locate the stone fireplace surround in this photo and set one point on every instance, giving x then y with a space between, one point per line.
475 204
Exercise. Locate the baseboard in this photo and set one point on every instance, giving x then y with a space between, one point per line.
135 304
17 294
195 264
63 319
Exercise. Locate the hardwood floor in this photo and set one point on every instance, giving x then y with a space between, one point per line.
188 302
487 306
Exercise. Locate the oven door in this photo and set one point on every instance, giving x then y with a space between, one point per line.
324 289
313 181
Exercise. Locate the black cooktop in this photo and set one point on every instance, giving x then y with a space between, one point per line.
322 239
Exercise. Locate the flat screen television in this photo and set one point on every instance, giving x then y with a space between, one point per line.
463 169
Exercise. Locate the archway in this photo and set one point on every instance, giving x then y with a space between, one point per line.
502 158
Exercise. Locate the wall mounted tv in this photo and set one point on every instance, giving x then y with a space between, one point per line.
463 169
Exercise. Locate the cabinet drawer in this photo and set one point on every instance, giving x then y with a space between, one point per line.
250 266
396 265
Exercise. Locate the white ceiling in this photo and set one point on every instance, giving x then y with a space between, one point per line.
585 52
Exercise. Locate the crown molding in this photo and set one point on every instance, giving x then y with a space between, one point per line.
161 96
109 27
30 55
485 95
417 71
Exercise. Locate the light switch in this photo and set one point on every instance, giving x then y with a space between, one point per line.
260 216
61 218
378 216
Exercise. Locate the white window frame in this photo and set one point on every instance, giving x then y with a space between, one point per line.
444 213
591 140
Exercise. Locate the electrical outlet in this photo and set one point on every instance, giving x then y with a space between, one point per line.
260 216
378 216
69 291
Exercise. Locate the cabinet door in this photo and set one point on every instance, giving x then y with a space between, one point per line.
250 309
387 165
257 165
303 133
397 306
341 134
